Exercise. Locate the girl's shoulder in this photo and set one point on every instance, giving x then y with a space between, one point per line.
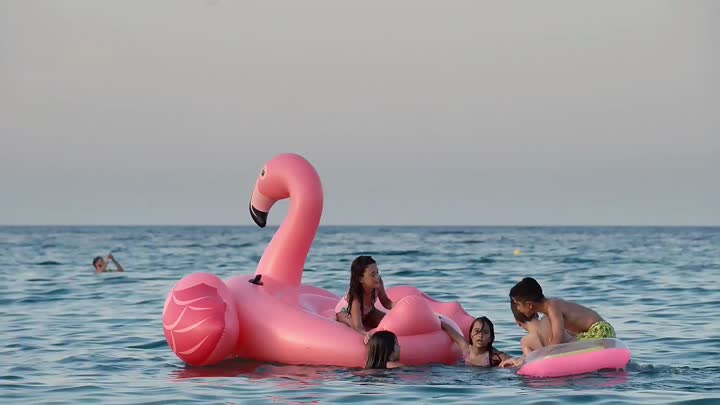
498 352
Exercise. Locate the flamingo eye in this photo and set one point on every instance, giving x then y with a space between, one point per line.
262 172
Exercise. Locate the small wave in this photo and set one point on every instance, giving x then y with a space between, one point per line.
21 347
119 278
404 273
470 242
152 345
232 245
192 245
698 267
381 253
577 260
50 296
48 263
451 232
665 369
482 260
57 291
146 302
75 388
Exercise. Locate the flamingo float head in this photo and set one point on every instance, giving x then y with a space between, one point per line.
282 176
287 176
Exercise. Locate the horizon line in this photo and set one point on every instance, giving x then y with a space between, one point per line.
377 225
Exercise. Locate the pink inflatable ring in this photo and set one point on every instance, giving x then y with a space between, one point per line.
576 358
271 317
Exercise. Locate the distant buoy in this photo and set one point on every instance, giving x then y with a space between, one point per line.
517 252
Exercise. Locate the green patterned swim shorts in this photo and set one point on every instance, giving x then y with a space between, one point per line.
598 330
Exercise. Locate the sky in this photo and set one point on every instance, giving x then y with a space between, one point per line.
413 112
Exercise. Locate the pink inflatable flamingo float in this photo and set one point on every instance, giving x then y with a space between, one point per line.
270 316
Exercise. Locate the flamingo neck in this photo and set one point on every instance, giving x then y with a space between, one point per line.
285 255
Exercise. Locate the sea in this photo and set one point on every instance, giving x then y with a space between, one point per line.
72 336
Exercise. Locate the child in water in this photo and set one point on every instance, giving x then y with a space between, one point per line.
357 308
538 331
383 350
101 264
478 349
582 322
538 335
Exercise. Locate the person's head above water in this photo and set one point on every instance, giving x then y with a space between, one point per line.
521 319
98 262
382 347
481 333
527 296
364 276
101 264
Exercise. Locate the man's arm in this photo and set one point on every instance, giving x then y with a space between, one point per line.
117 265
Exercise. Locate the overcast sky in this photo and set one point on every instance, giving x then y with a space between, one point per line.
413 112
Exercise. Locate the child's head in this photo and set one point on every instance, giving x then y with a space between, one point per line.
98 262
481 333
521 319
382 347
364 277
527 295
364 272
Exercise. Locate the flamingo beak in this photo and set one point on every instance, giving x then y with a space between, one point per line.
258 216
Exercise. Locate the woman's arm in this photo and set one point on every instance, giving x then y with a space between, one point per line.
384 299
356 316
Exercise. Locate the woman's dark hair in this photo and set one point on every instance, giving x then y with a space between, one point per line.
357 270
96 260
380 347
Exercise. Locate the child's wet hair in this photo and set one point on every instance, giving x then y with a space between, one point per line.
357 270
528 289
96 260
380 347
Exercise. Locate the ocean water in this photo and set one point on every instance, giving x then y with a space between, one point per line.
69 335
